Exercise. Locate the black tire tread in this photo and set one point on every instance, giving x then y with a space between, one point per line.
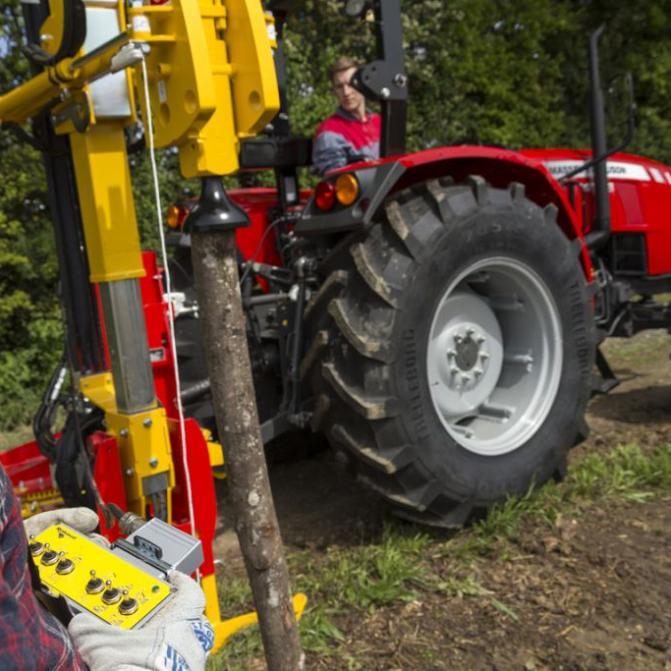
352 380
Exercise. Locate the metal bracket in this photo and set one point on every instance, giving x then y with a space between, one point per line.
76 109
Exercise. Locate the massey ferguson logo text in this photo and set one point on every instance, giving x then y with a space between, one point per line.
615 170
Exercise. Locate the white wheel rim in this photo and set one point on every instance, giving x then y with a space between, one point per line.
494 357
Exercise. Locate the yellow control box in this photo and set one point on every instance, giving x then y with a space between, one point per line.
93 579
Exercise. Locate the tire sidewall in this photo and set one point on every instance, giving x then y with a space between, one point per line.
522 234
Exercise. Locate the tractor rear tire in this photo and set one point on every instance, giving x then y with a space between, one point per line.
451 351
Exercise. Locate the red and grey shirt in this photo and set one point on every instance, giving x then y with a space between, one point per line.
344 139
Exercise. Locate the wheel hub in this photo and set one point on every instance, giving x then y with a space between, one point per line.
467 350
469 341
468 357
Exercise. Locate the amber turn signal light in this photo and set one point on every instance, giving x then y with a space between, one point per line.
174 216
347 189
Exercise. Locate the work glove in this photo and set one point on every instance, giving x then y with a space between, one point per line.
177 638
82 519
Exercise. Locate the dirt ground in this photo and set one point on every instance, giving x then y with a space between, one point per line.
595 596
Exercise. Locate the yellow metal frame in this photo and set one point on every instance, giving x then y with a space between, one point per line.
224 629
212 82
143 440
106 203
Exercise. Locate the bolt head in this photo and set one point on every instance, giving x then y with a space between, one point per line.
153 462
385 92
147 423
129 472
123 433
484 356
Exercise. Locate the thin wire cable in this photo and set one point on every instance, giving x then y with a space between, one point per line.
252 258
149 132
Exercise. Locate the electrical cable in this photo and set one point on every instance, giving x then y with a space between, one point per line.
252 258
149 130
44 417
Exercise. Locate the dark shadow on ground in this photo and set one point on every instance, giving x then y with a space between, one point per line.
635 406
318 503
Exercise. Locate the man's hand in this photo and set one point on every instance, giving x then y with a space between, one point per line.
83 520
177 637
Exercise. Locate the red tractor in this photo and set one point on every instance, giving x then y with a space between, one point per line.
436 315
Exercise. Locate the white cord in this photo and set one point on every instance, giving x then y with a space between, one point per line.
149 133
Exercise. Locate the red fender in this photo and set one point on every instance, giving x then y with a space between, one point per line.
499 167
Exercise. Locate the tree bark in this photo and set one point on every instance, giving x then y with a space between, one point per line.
224 328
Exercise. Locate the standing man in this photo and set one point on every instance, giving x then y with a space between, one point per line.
351 134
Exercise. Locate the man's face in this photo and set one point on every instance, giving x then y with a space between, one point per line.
348 97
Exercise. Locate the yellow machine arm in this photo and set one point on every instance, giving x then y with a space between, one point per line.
211 81
207 67
210 73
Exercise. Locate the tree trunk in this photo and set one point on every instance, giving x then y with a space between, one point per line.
224 328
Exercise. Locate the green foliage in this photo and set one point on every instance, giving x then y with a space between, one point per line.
373 575
637 41
482 72
627 473
30 323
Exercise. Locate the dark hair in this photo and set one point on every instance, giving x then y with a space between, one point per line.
341 64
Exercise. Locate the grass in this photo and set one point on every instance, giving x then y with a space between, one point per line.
346 580
354 581
631 352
